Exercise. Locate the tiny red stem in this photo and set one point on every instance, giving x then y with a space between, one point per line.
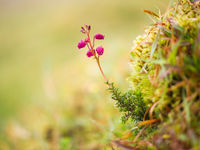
99 65
97 58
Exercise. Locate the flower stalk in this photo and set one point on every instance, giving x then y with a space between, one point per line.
91 49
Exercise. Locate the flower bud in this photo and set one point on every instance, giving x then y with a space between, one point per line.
87 40
100 50
83 28
89 53
88 27
83 31
99 36
81 44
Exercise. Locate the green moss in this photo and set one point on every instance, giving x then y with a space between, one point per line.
166 70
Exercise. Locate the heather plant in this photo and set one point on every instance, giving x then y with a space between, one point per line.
131 103
165 97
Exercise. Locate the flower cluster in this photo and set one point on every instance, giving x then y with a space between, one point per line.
92 51
90 43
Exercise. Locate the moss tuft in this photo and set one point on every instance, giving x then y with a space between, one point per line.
166 72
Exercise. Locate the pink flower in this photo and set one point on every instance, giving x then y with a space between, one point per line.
89 53
81 44
99 36
100 50
87 40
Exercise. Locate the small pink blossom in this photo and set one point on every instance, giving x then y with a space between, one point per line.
89 53
87 40
90 43
81 44
99 36
100 50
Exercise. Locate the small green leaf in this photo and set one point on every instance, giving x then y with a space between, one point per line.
166 31
154 45
132 55
178 28
187 108
172 57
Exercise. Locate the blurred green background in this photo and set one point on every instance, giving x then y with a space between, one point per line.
51 95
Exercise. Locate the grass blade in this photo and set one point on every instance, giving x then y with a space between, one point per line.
154 45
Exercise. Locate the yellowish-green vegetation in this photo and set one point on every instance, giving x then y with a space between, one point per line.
51 97
166 72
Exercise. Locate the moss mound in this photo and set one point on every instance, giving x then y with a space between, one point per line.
166 71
